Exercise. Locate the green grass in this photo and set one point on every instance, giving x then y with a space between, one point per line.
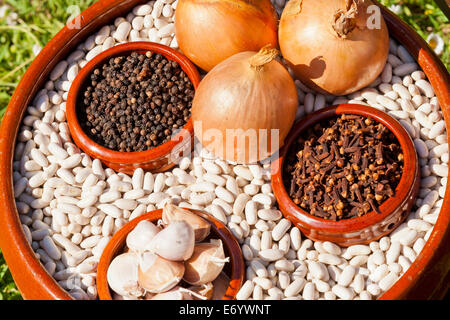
8 290
425 17
38 21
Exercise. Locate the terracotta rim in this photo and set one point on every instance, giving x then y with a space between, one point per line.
341 232
126 159
427 277
230 244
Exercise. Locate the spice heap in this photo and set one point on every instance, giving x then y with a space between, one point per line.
170 263
346 167
135 103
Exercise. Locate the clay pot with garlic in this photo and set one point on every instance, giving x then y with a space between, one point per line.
169 261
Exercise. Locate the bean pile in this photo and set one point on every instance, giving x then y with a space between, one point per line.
70 206
135 103
343 167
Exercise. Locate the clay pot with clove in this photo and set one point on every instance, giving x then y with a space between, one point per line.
347 174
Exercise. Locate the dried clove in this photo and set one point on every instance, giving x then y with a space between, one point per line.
343 167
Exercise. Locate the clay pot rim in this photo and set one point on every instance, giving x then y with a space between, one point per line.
84 142
388 207
230 244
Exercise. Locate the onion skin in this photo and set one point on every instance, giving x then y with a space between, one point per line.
236 96
210 31
323 59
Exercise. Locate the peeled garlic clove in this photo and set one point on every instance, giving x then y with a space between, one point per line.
175 242
206 263
220 286
205 290
122 275
139 238
173 213
176 293
156 274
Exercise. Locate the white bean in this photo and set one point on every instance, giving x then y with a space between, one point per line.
122 31
405 69
280 229
388 281
271 254
295 287
343 292
245 291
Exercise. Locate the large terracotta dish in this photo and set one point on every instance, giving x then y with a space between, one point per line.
368 227
235 269
428 276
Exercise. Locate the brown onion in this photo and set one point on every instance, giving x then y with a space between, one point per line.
240 102
210 31
331 45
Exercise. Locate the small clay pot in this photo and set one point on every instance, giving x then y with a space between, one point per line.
372 225
235 269
160 158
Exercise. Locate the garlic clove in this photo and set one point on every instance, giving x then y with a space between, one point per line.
206 263
122 275
173 213
177 293
205 290
175 242
116 296
156 274
139 238
220 284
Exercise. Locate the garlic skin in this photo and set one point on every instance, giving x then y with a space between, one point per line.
206 263
173 213
175 242
205 290
139 238
220 284
122 276
156 274
177 293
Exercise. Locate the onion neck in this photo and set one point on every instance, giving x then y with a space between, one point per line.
263 57
345 20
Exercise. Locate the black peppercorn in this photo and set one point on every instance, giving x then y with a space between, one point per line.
134 103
